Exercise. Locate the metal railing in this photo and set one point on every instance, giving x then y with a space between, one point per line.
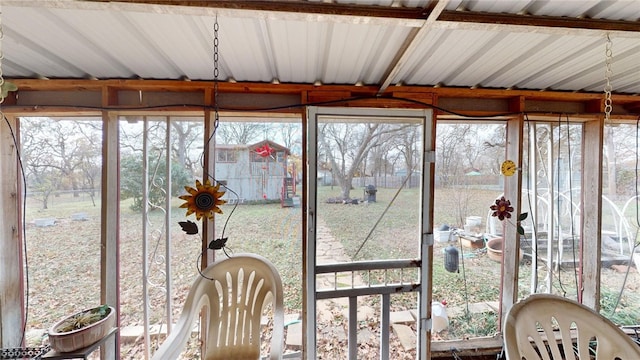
354 279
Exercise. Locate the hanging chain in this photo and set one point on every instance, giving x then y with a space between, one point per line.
608 104
216 73
1 58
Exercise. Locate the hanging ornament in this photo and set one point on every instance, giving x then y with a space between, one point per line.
502 208
203 200
451 258
508 168
264 150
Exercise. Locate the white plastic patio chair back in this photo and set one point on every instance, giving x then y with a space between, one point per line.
234 292
542 316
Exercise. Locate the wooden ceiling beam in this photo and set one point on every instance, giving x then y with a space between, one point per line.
298 6
541 21
410 45
392 12
268 88
37 94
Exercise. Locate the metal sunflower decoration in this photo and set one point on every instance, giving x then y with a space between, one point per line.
203 200
502 209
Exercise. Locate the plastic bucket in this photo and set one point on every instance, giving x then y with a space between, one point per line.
441 236
473 221
439 318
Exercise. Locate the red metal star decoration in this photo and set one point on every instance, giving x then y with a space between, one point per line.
264 150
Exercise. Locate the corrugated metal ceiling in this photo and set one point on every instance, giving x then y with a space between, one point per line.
520 44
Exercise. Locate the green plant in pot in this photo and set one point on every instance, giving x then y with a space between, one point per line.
82 329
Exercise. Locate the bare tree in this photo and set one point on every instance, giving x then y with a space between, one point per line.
57 154
91 162
407 142
290 134
185 133
239 132
378 161
450 158
493 148
347 145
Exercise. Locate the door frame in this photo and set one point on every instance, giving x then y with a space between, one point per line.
426 220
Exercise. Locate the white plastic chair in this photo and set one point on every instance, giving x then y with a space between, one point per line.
234 292
543 316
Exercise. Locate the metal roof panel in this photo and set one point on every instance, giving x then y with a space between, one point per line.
80 39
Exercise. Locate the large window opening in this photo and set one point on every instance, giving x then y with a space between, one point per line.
263 214
552 178
159 156
466 272
468 181
61 159
619 299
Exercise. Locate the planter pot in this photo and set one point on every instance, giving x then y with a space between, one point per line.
64 342
472 242
494 249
